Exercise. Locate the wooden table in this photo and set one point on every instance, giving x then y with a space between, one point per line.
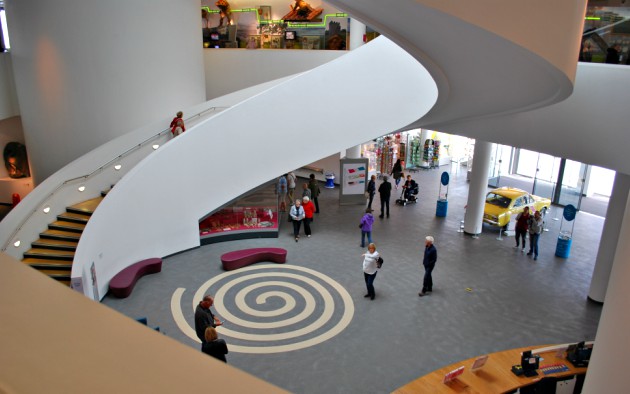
494 377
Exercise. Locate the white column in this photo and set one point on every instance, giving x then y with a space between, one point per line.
354 152
87 71
357 31
610 236
477 188
611 349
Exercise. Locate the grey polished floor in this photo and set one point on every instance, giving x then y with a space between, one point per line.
488 296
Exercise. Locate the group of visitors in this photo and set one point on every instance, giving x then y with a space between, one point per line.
532 224
302 209
205 327
371 267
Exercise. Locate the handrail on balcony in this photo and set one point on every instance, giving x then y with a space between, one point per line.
126 153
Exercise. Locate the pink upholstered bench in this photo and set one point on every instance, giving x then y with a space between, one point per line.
244 257
121 285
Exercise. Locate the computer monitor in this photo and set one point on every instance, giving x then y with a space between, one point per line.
289 35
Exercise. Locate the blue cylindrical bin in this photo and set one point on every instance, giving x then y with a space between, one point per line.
563 247
330 181
442 208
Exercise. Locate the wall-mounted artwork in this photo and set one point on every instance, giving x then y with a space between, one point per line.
16 161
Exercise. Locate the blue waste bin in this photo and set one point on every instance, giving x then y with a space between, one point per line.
563 247
330 181
442 208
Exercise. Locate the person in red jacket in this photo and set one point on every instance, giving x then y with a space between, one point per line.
520 231
309 210
177 124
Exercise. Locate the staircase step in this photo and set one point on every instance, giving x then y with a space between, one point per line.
48 264
66 226
49 254
74 217
56 274
61 235
86 207
56 244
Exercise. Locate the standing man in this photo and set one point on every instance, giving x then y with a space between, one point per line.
371 189
204 318
385 191
430 257
535 228
314 186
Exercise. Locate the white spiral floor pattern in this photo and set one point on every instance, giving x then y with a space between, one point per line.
271 308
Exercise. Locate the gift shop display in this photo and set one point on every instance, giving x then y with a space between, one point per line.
254 215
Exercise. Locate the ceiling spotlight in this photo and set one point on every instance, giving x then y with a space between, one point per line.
81 188
47 209
155 146
17 243
117 167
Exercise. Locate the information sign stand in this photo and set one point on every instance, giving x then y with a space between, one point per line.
563 247
442 202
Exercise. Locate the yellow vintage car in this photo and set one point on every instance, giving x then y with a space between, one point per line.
505 202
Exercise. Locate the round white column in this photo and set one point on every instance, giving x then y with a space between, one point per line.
354 152
611 348
477 188
610 236
357 32
89 71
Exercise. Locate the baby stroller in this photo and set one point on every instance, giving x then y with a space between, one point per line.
409 195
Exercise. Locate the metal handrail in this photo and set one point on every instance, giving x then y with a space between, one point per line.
98 170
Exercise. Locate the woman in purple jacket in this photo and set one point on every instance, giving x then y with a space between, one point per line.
366 227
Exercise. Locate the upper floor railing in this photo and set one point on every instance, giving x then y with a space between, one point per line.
72 190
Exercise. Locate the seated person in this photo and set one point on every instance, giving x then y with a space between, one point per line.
410 187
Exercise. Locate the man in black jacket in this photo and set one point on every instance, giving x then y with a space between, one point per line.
430 257
385 191
204 318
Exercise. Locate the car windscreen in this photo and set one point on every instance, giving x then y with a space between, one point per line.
500 201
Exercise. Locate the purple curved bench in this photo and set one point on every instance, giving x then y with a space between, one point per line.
244 257
123 282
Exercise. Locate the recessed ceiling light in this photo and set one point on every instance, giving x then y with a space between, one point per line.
81 188
47 209
117 167
155 146
17 243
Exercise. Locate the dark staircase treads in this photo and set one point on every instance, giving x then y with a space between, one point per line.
49 254
55 244
74 217
48 264
85 207
66 226
61 235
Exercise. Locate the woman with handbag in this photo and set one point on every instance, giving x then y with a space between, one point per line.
297 214
370 269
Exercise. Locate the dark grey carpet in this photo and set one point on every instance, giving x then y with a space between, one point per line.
514 301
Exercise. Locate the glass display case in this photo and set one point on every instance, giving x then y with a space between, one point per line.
254 215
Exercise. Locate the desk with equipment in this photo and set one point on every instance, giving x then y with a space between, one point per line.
552 369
